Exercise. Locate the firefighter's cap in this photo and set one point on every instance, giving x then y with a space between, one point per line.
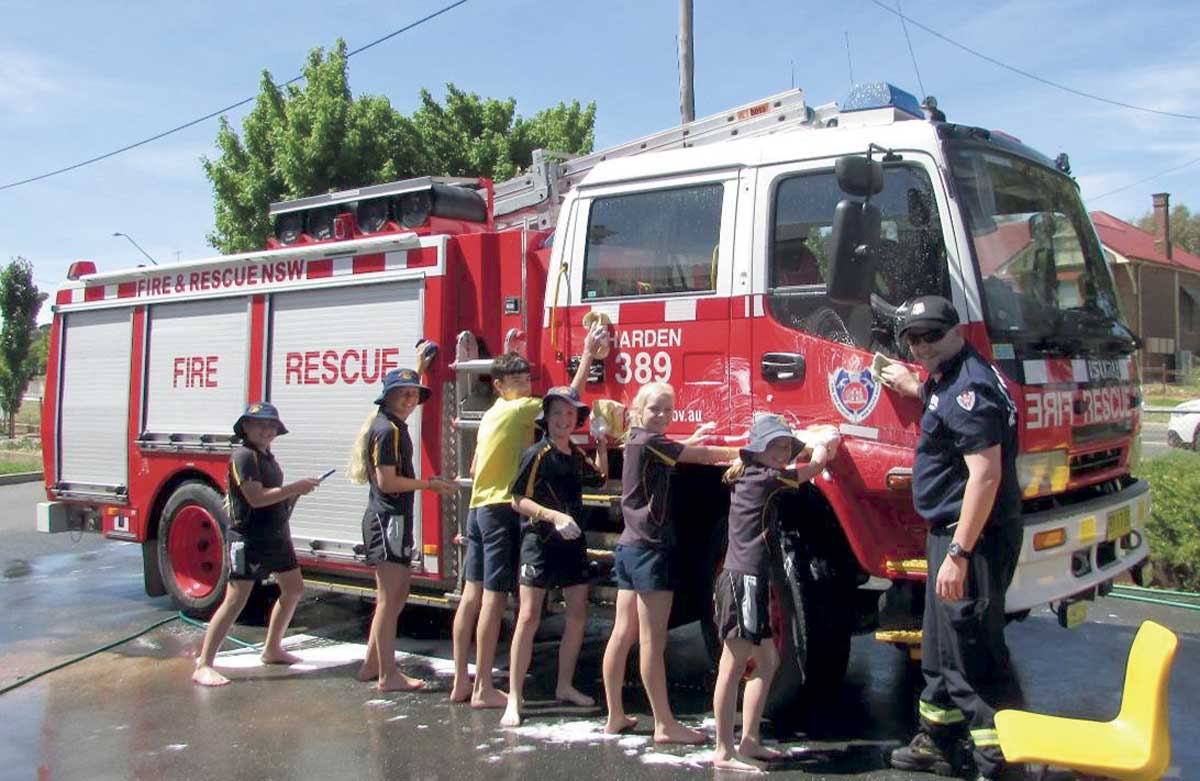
766 429
569 395
259 410
929 312
403 378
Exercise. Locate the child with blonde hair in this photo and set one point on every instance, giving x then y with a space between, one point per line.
743 587
645 583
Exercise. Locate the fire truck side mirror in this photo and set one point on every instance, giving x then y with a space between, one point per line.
859 176
852 252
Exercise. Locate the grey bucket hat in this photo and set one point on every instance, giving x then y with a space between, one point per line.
764 430
259 410
571 396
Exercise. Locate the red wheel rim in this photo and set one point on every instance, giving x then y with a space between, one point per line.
196 551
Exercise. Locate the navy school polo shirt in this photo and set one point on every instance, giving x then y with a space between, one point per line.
645 480
967 410
753 515
250 464
389 444
555 480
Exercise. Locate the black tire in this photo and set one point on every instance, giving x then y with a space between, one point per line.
1196 439
196 583
817 614
1174 440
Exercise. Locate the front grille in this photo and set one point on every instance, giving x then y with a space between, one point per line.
1095 461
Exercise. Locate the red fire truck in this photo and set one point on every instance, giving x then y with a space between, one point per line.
753 259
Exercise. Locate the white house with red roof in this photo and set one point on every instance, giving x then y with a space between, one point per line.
1159 285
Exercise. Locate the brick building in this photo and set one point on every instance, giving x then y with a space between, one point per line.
1159 286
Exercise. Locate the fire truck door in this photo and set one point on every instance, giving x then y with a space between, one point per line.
659 264
94 400
329 349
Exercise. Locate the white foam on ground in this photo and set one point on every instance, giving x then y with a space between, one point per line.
698 758
322 654
632 741
590 731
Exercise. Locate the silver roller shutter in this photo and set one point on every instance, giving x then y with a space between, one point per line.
328 348
94 412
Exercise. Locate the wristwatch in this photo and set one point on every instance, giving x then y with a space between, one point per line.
958 552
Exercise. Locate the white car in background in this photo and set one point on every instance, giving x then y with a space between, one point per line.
1182 431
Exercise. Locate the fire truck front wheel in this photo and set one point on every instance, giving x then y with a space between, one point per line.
812 620
191 548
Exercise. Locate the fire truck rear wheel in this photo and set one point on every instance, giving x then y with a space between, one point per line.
812 666
191 548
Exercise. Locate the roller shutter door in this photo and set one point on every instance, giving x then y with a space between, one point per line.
94 412
196 379
329 350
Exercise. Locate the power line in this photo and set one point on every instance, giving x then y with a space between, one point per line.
1033 76
1143 181
911 53
220 111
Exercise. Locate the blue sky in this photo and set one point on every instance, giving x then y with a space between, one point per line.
80 79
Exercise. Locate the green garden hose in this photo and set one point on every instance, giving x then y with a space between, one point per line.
68 662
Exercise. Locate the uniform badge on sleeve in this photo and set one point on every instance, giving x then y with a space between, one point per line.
966 400
933 402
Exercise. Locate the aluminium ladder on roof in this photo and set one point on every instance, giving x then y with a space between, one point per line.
533 198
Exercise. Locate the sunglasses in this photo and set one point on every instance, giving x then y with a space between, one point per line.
926 337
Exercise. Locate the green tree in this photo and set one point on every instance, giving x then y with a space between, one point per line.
1185 227
20 301
301 141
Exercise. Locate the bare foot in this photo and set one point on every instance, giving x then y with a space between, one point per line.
279 656
491 698
399 682
460 692
722 761
574 696
677 733
207 676
512 715
617 726
753 748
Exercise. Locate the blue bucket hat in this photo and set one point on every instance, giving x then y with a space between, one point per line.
764 430
403 378
259 410
571 396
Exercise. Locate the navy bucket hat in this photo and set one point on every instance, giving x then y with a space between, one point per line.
259 410
403 378
571 396
764 430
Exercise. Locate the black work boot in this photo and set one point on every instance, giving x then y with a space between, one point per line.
924 754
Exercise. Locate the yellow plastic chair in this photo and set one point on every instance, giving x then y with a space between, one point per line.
1135 746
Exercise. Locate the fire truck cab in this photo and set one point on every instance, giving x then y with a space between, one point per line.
755 260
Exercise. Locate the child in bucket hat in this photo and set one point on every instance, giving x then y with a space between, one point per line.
383 458
258 540
743 587
548 494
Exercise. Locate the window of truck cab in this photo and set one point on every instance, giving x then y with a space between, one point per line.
910 260
657 243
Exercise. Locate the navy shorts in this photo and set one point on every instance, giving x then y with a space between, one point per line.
493 545
549 561
387 537
743 606
255 558
643 569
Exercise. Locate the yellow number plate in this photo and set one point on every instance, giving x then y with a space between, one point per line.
1076 614
1119 523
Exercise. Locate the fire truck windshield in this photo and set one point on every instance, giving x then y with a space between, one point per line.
1046 285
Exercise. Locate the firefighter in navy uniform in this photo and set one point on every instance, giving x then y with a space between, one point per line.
965 487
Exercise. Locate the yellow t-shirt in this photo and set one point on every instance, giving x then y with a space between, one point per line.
504 433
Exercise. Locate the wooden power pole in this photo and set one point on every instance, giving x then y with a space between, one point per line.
687 94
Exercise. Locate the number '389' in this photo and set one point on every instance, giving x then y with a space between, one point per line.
643 367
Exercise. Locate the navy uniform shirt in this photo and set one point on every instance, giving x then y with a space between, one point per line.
753 516
388 444
645 479
555 480
259 523
967 410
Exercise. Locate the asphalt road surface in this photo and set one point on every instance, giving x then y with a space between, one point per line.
131 712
